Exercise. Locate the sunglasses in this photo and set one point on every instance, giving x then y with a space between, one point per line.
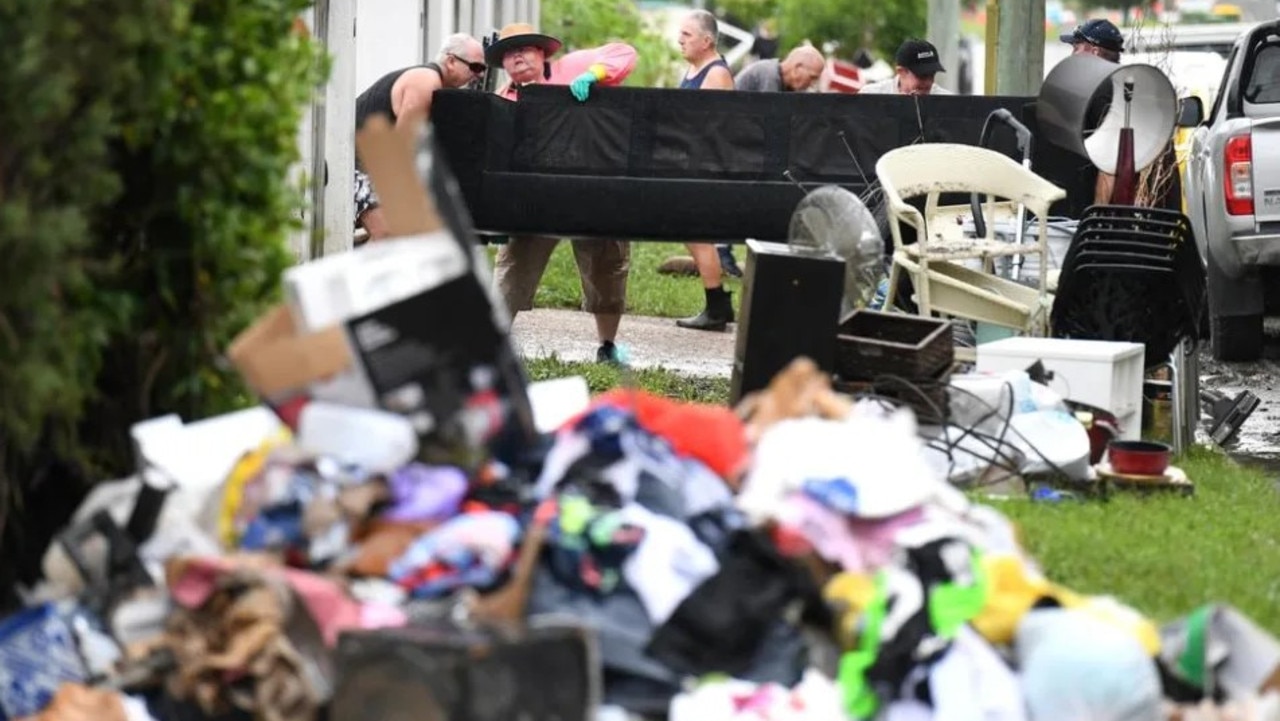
477 68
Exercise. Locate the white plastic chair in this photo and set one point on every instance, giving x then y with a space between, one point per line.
942 284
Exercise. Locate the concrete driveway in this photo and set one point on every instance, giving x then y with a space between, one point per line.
652 342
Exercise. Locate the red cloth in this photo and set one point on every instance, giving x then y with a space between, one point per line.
713 435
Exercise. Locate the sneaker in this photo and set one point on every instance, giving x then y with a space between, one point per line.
728 263
607 353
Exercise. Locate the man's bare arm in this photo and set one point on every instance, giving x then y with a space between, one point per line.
412 100
718 79
1103 188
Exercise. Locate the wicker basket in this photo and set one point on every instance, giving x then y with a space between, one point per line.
871 344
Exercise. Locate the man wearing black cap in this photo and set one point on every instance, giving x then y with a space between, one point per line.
1097 37
918 63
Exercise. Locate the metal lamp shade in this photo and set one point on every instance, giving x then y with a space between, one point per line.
1070 90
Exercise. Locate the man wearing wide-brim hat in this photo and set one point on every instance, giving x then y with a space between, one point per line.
603 265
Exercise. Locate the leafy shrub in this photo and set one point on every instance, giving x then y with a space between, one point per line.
144 205
852 24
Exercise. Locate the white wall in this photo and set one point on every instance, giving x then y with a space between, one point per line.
388 37
393 34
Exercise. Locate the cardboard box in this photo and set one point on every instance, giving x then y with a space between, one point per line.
407 325
334 289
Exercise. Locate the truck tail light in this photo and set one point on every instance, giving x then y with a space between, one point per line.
1237 175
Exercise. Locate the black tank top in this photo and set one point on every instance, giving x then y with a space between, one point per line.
377 99
696 81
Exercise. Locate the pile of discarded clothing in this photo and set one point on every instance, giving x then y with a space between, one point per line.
798 558
405 530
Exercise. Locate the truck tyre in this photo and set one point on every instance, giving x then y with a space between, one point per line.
1237 337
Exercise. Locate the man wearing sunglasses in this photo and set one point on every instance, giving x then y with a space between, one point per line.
407 93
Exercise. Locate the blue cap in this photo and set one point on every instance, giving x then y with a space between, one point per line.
1100 32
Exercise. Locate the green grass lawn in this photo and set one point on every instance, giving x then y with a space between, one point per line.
601 377
1163 555
647 292
1167 555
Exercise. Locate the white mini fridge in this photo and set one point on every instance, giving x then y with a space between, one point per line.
1103 374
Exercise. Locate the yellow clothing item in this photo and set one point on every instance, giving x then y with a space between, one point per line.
848 594
1014 589
245 471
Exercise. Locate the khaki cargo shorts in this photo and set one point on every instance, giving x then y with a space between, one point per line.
603 266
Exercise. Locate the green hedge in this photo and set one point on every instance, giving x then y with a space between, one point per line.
145 147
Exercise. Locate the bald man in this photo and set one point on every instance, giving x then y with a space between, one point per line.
797 72
405 95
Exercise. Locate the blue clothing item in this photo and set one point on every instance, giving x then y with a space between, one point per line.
696 81
581 85
472 549
837 494
275 529
476 576
1074 667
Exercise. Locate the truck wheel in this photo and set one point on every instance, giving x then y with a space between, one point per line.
1237 337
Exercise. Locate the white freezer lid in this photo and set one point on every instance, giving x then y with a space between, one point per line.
1060 348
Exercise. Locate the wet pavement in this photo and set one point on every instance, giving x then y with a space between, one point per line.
1258 443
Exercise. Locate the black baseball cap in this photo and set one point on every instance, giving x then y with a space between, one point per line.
1100 32
920 57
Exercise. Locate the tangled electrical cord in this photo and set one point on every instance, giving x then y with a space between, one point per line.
1002 457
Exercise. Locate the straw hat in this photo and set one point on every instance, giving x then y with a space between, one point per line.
519 35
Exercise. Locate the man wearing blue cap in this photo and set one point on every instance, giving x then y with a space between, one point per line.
1102 39
1097 37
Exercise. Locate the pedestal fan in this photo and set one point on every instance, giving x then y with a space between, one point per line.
835 220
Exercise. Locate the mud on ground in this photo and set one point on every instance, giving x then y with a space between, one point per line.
1258 442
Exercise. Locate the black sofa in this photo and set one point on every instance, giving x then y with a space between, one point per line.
658 164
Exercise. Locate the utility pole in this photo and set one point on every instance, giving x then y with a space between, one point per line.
944 33
1015 47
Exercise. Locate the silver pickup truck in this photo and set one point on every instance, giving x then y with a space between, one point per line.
1232 187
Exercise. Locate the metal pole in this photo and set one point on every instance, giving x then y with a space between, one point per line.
304 173
1020 37
319 177
944 33
338 129
992 48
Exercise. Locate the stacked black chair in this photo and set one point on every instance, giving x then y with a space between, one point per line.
1135 274
1131 274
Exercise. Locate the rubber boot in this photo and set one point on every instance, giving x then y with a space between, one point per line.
717 315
